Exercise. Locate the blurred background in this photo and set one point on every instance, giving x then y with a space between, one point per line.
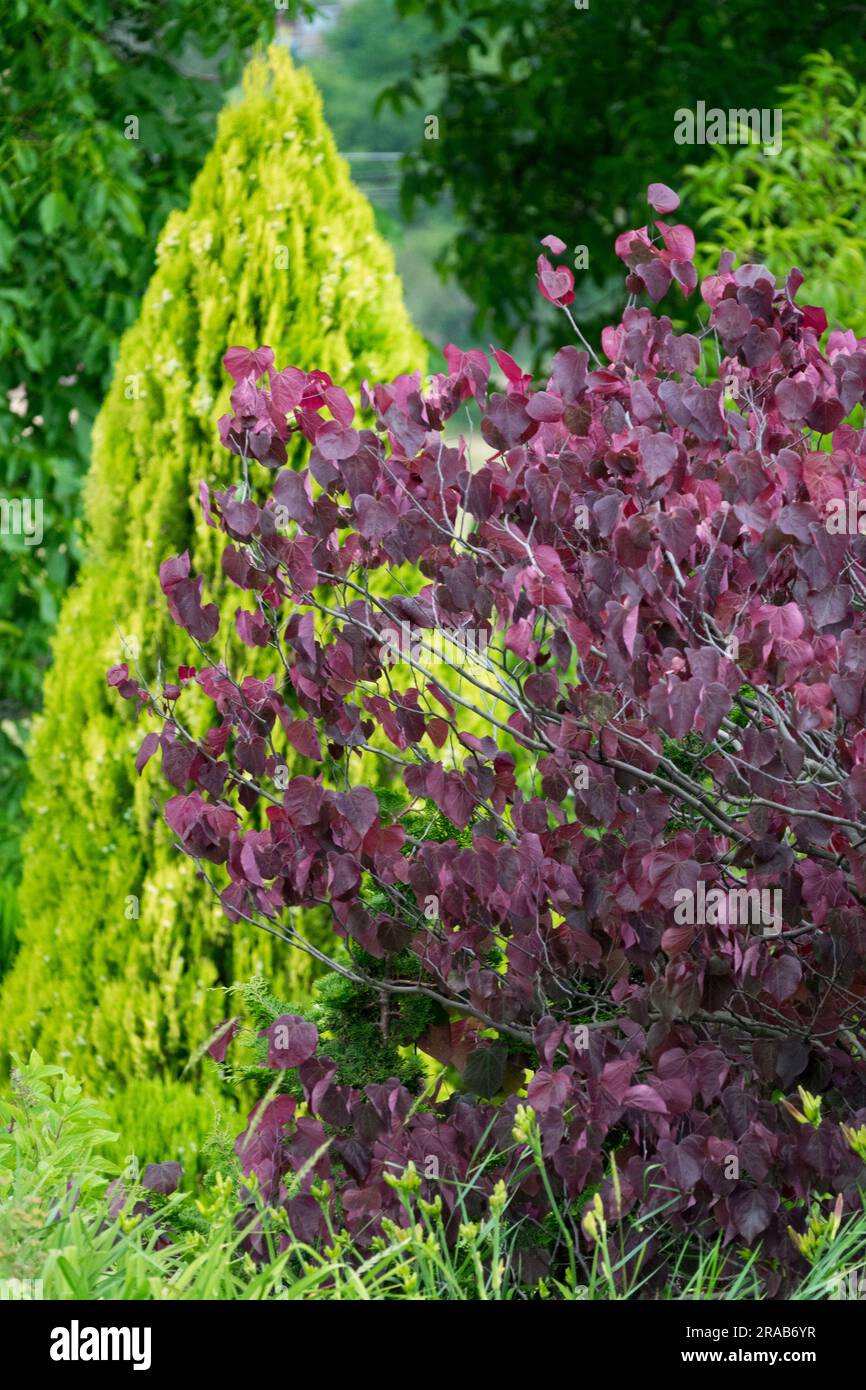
474 128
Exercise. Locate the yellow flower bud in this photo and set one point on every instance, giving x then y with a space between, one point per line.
856 1140
524 1124
498 1197
407 1182
811 1106
819 1233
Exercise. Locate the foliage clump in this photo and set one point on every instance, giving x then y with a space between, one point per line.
649 550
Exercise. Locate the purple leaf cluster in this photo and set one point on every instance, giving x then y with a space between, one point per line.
672 695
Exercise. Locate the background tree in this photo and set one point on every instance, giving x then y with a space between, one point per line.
803 208
552 116
120 945
105 116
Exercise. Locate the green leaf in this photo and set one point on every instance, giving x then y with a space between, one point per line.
76 1284
485 1070
53 210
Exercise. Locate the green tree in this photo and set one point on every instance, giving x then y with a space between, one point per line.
121 943
555 117
106 113
803 208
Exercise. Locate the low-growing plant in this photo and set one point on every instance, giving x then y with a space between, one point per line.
58 1235
672 695
68 1233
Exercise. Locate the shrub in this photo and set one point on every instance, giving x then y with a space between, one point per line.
120 947
651 895
65 1230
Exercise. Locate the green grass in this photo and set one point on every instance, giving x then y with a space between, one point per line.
60 1224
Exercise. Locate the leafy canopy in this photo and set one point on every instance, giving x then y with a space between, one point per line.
551 114
805 206
673 690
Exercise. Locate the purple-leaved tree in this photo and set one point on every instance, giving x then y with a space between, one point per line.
655 759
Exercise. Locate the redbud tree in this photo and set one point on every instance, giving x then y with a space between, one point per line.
667 709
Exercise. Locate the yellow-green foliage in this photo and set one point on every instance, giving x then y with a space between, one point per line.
160 1119
276 247
802 207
